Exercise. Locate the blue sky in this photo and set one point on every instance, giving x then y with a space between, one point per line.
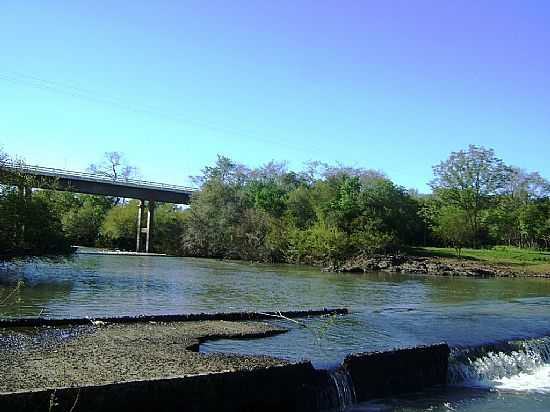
390 85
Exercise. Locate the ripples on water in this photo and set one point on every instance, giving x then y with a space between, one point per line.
388 310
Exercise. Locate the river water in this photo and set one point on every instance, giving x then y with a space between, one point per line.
477 317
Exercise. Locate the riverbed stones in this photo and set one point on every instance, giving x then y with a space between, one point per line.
430 266
123 352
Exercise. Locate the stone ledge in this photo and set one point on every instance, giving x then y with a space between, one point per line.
382 374
277 388
191 317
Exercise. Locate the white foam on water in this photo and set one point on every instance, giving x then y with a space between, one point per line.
526 369
537 381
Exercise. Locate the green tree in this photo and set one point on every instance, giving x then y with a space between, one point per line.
28 224
345 207
370 240
318 244
168 228
503 221
268 196
467 180
452 227
509 213
389 209
533 223
82 224
300 211
119 228
216 211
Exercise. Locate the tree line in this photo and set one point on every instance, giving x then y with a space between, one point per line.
322 214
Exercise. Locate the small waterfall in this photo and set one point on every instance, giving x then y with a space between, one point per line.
487 364
343 383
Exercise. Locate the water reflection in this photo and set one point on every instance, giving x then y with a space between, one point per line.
388 310
460 290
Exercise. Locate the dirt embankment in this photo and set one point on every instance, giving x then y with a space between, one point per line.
432 266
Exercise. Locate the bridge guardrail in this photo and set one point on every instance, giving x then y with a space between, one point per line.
93 177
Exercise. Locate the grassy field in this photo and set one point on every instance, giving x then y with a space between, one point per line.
531 259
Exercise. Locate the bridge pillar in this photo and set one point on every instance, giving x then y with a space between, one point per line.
139 217
147 230
150 216
25 192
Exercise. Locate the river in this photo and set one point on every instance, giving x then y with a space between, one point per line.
477 317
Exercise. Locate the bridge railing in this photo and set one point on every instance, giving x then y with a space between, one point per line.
93 177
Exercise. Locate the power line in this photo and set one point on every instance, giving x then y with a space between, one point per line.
91 96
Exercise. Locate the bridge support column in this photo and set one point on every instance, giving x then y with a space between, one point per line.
147 230
150 216
139 217
25 192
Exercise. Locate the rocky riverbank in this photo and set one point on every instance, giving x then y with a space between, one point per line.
432 266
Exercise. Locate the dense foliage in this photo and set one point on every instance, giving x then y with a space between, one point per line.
323 214
48 221
326 214
27 225
479 200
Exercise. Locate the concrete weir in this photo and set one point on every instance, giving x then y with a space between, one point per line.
278 388
292 387
186 317
153 365
382 374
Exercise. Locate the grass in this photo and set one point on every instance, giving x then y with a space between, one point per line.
534 260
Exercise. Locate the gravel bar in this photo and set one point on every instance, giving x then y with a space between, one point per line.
52 357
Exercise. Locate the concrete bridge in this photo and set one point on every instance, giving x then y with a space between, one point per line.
148 193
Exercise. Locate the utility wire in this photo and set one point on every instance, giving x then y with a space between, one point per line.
88 95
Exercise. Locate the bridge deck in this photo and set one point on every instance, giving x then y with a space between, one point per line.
90 183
